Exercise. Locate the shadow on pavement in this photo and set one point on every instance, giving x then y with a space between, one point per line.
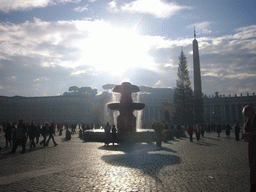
136 148
149 164
217 139
64 139
5 153
143 157
205 143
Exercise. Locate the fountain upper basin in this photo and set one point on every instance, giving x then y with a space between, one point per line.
127 106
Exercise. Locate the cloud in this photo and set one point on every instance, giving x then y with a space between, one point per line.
36 54
228 62
78 72
201 28
157 8
20 5
112 7
41 79
81 9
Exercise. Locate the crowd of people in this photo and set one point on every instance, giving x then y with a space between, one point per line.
23 132
200 129
18 135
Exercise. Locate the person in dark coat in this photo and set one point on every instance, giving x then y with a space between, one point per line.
202 126
178 131
190 131
32 133
197 130
114 135
8 134
159 134
250 136
228 130
218 129
19 137
60 128
37 132
51 132
68 134
44 134
107 133
237 131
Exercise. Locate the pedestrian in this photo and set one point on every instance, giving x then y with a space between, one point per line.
44 134
20 137
114 134
190 131
209 128
32 133
178 131
228 130
218 129
51 132
197 131
250 136
73 128
159 134
107 133
202 130
8 134
83 126
37 132
237 131
60 128
68 134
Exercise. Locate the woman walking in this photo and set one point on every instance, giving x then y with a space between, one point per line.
197 131
190 130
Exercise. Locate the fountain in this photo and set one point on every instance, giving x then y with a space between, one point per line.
126 121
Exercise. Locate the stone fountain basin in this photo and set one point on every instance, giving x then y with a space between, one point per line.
129 106
98 135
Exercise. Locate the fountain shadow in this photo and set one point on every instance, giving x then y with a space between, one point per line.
147 158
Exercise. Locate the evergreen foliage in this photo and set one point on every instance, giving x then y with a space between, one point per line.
183 95
82 91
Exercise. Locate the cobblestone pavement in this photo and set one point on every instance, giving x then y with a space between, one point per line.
212 164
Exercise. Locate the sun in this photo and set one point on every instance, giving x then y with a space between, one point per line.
116 50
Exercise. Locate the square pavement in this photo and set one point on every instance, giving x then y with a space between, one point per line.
212 164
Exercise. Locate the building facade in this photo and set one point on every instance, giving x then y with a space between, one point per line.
80 109
69 109
221 109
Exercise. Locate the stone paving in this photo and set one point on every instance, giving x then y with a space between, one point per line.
212 164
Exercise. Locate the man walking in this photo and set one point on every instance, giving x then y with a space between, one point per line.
44 134
51 132
107 133
19 137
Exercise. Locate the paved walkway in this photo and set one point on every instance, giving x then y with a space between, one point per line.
213 164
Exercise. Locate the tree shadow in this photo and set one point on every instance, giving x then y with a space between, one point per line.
143 157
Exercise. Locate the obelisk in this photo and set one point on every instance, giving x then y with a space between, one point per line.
198 99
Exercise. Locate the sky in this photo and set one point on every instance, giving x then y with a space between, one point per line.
47 46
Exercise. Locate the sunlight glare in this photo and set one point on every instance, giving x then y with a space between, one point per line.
116 50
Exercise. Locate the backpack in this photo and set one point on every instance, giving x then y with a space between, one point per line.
19 132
